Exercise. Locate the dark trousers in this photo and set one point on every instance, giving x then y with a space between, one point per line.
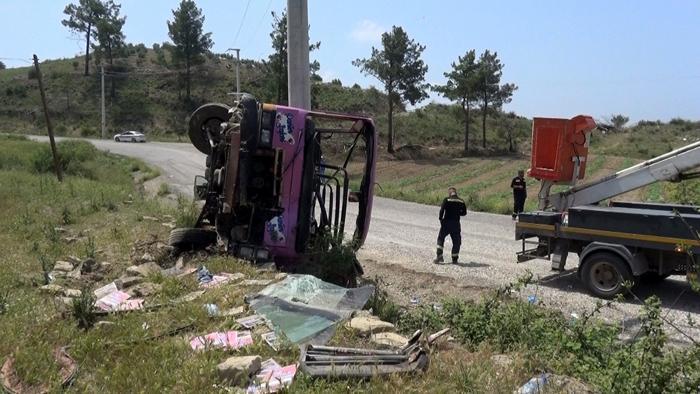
454 230
518 203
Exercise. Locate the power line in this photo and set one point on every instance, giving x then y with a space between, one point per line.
245 12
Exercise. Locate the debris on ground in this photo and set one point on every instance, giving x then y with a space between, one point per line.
256 282
272 377
271 339
337 362
11 383
229 339
535 385
390 339
212 309
239 310
368 325
143 269
251 321
217 280
238 371
119 301
306 309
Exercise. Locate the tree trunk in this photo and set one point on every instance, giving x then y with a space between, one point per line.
113 89
483 123
187 79
390 142
87 50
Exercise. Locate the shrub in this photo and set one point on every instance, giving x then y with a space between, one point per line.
187 212
72 158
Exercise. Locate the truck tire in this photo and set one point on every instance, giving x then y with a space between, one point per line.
604 274
191 238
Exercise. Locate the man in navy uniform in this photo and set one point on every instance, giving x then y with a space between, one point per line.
519 193
451 210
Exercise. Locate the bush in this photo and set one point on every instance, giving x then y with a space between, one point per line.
72 158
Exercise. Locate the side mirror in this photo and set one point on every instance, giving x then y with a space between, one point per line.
200 187
354 197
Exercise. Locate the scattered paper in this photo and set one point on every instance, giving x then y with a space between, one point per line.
272 378
251 321
110 301
229 339
131 305
271 339
105 290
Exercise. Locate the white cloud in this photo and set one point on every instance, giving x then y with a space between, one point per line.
367 31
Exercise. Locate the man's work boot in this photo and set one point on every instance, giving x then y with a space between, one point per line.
438 260
455 259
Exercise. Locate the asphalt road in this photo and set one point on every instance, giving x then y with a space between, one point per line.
405 233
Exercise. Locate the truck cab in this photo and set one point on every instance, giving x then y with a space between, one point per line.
279 177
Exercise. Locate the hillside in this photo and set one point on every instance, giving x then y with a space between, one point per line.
149 96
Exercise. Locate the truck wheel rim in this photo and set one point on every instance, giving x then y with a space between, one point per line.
604 276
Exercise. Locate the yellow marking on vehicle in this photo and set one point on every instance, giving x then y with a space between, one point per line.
639 237
538 226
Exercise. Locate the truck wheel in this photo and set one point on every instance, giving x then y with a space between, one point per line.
605 274
191 238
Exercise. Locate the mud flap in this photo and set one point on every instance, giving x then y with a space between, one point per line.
561 252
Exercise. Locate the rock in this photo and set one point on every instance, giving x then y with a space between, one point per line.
59 230
151 218
52 289
143 269
390 339
75 274
104 266
256 282
88 265
74 260
72 293
144 289
567 385
169 225
239 310
145 258
64 266
239 370
104 324
366 326
280 276
67 301
190 296
57 274
180 263
502 360
128 281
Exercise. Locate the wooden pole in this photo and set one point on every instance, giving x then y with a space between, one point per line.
56 163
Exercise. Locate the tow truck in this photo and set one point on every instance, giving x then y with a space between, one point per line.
620 243
270 188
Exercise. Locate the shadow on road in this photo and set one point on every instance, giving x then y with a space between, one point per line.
674 292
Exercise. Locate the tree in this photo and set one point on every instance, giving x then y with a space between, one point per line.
81 19
109 36
461 86
190 41
399 67
277 61
509 130
619 121
2 66
490 92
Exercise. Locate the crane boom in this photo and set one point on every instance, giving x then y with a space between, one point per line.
671 166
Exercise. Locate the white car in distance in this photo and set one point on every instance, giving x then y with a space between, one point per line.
130 136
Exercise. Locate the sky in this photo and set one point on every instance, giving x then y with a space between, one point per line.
638 58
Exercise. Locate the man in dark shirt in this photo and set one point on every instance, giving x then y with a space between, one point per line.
519 193
451 210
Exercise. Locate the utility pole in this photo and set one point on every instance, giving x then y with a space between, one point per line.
298 78
56 163
102 69
238 66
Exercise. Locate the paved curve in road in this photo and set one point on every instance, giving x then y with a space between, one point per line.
404 233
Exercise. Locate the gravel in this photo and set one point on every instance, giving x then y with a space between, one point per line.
403 234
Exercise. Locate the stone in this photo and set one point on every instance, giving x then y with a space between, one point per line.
88 265
143 269
280 276
74 260
256 282
502 360
72 293
57 274
151 218
144 289
180 263
169 225
59 230
567 385
64 266
128 281
190 296
145 258
366 326
75 274
239 370
67 301
239 310
105 266
390 339
52 289
104 324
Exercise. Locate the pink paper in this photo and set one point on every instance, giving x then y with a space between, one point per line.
130 305
110 301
